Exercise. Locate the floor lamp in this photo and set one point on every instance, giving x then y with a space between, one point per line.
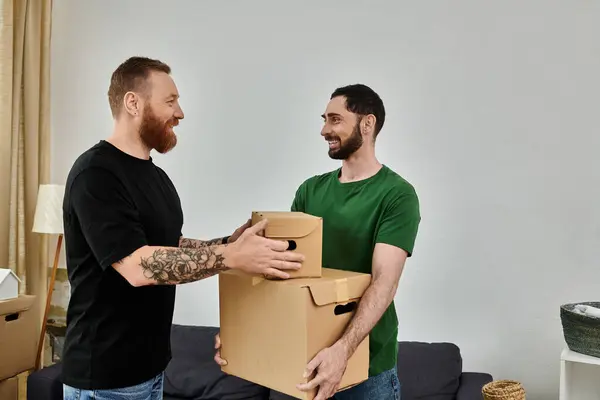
48 220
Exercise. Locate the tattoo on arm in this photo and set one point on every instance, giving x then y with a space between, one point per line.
182 265
196 244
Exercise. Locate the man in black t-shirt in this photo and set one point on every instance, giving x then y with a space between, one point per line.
125 249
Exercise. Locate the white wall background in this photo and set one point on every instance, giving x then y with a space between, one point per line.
491 115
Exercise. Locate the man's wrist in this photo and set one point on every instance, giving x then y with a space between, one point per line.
229 255
345 347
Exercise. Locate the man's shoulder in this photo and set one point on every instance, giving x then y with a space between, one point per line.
95 160
399 193
397 184
163 174
319 179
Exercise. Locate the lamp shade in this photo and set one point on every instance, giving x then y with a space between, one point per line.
48 210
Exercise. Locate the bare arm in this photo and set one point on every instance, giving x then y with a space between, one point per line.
388 264
153 265
156 265
196 244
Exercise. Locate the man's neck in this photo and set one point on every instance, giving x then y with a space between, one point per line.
126 139
361 165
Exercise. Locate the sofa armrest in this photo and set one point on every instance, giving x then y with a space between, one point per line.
471 385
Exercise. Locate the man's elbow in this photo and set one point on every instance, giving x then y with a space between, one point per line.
390 294
130 269
129 273
387 289
137 281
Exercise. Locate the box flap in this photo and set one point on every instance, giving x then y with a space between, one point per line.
21 303
336 287
287 224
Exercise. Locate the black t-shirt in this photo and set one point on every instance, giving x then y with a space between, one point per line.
117 335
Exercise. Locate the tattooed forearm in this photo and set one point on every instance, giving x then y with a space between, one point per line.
182 265
196 244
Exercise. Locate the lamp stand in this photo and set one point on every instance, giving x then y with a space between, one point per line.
48 301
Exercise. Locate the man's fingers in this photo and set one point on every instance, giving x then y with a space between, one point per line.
310 384
291 256
219 360
275 273
324 393
310 368
217 357
277 245
261 225
246 225
313 364
285 265
281 248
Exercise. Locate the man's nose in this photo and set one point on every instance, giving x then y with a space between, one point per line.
179 113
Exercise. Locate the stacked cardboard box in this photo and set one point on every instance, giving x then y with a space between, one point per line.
271 329
18 342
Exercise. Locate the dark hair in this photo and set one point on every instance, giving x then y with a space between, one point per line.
131 75
362 100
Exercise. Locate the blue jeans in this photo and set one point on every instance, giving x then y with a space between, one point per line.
384 386
149 390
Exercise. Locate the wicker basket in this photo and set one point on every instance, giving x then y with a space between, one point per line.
503 390
581 332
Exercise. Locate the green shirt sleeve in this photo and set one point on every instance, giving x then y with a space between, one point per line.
400 222
298 203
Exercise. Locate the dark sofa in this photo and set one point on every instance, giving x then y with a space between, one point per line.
431 371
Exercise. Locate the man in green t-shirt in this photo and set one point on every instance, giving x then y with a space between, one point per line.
370 221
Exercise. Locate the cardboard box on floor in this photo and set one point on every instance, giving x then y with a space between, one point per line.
270 330
303 231
9 389
18 335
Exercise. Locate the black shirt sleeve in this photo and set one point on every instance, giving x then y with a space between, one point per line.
107 216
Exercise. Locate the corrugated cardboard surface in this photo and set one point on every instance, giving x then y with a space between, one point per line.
9 389
305 231
18 335
270 329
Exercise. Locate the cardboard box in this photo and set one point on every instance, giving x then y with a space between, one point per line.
271 329
9 389
19 330
303 231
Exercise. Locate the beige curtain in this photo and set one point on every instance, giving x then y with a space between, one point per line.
25 137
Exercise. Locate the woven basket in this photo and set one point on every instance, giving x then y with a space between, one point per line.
581 332
503 390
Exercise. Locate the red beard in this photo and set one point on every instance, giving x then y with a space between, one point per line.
157 134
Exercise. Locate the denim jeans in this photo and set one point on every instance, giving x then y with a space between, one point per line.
384 386
149 390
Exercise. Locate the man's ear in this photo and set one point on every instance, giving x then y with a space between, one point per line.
368 124
131 103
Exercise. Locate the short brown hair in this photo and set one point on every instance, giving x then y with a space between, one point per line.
131 75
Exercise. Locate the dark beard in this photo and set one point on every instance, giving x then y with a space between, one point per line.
155 133
349 147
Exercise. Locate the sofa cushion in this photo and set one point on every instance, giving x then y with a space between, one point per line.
429 370
46 383
193 373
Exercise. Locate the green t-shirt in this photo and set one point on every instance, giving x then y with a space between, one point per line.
356 215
